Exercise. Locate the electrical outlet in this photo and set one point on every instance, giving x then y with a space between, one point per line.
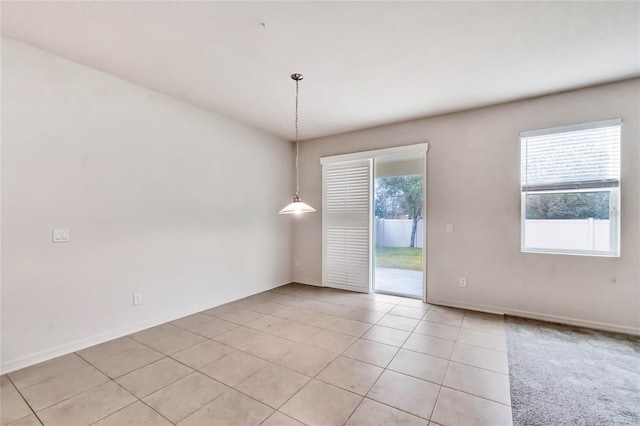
137 298
463 282
61 236
449 228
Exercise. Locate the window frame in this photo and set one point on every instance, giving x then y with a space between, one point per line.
614 197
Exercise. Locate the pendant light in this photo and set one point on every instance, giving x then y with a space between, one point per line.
297 207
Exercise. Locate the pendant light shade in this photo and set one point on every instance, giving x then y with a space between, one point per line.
297 207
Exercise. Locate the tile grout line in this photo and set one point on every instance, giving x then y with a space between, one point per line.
433 411
435 405
25 401
286 415
238 390
156 411
477 396
391 406
354 411
109 379
450 360
117 411
48 378
197 409
222 394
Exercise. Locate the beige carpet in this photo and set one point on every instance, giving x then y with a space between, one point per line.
564 375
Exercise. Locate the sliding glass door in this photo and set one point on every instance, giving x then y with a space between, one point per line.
373 226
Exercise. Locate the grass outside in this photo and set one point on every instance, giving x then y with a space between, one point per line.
399 257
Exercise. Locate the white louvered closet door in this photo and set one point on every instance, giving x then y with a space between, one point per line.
346 225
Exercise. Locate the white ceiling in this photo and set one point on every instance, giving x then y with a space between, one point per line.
365 63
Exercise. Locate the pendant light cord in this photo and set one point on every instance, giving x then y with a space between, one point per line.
297 148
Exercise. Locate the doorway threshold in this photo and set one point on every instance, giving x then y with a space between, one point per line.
393 293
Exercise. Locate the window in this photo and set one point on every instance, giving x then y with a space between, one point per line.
570 180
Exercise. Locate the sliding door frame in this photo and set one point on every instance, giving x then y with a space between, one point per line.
386 152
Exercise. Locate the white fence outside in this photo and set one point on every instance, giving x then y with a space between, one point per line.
396 233
581 234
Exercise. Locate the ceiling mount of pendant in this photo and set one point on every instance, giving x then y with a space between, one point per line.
297 77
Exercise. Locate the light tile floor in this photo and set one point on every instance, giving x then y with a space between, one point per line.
290 356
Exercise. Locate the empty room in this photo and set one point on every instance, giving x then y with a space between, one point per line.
320 213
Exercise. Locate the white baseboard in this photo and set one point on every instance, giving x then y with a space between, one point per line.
615 328
538 316
307 282
67 348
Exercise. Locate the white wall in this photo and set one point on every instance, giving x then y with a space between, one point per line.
473 169
161 198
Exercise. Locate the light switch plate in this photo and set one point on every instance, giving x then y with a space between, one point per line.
449 227
61 236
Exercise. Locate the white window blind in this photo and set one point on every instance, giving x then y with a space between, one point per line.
570 158
347 215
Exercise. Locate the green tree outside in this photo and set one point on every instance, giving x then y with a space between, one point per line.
569 205
400 195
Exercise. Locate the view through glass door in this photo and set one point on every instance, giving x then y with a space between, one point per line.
399 226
